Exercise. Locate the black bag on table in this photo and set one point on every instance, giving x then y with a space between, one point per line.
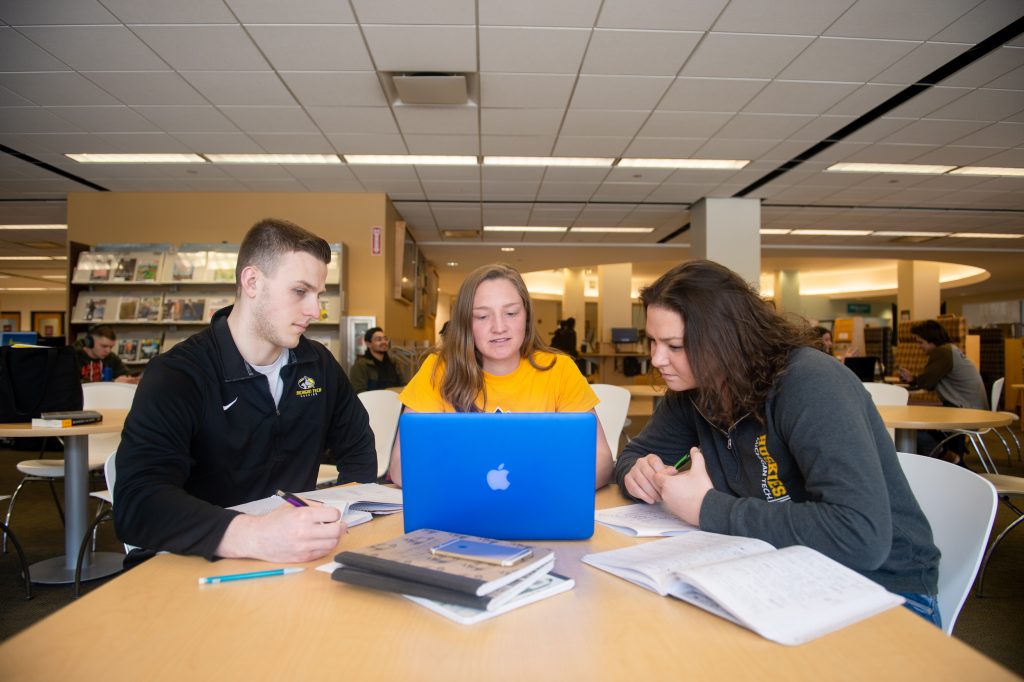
34 380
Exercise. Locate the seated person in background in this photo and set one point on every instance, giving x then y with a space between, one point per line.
824 339
564 338
94 353
244 408
785 444
373 370
491 359
950 374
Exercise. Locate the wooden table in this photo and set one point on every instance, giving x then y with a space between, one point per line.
76 496
907 419
597 359
155 623
644 398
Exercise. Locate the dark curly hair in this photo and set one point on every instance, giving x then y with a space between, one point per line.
736 344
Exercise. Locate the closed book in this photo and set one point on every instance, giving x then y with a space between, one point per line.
68 418
488 602
408 556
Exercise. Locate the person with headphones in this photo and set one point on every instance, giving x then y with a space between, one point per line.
94 353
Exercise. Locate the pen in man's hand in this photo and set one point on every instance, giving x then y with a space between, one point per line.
682 460
293 500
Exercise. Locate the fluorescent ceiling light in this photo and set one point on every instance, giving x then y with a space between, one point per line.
275 158
898 233
511 228
774 230
508 249
29 289
585 162
833 233
61 277
408 160
136 158
621 230
33 227
986 235
916 169
452 263
987 170
32 258
708 164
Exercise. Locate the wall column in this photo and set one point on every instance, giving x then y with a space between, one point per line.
573 304
728 231
614 305
918 289
787 291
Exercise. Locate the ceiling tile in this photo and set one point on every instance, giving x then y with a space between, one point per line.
515 90
385 173
520 121
160 12
646 53
1012 80
354 120
517 145
496 174
647 176
960 156
57 143
566 191
318 172
55 88
983 105
197 119
616 191
422 48
202 48
312 48
846 59
333 185
990 67
878 129
581 13
798 97
93 48
144 143
980 22
864 99
735 149
518 191
294 12
684 124
347 143
225 88
675 15
822 127
996 135
340 88
603 123
104 119
924 103
710 94
618 92
506 214
568 145
906 19
459 145
728 55
293 143
10 99
415 12
219 143
43 12
567 174
437 120
669 147
792 17
146 87
532 50
886 153
924 59
933 132
270 119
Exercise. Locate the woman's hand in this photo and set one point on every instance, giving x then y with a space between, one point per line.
684 491
640 479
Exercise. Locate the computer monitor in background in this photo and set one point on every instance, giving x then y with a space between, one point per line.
863 367
625 335
11 338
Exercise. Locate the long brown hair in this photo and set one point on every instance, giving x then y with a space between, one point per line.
457 353
735 342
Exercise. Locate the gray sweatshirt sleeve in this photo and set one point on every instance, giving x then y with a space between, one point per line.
669 434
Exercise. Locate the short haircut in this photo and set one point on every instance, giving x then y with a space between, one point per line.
932 332
270 239
104 330
368 336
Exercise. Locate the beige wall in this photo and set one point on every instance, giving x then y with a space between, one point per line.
26 302
215 217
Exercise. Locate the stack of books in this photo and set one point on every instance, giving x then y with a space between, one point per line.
461 589
67 418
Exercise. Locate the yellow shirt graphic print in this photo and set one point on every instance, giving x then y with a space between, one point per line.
771 485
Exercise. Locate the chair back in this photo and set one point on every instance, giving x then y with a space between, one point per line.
105 394
611 412
110 474
997 393
887 394
960 507
384 408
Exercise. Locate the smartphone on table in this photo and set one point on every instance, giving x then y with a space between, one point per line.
487 552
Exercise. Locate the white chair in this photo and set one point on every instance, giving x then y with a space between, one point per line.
997 393
96 395
21 555
960 507
611 412
1007 487
887 394
106 497
384 408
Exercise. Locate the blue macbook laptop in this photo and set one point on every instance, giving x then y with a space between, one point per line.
521 476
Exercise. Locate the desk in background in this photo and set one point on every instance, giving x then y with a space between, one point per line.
76 497
608 366
907 419
155 623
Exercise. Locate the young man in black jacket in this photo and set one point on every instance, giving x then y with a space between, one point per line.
240 410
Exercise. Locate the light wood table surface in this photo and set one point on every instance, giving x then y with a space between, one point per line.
76 497
907 419
644 398
155 623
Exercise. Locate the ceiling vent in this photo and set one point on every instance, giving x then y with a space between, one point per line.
430 88
460 234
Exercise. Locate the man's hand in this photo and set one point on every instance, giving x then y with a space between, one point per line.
905 375
684 491
640 479
286 535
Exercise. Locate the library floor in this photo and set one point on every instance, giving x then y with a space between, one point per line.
992 625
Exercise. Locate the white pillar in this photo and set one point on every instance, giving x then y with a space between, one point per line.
614 306
787 291
728 231
918 289
573 304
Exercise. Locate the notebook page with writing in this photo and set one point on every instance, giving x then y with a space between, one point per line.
642 520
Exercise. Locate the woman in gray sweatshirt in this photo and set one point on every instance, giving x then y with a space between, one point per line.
785 443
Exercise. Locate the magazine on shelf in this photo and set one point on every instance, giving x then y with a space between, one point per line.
220 266
128 308
184 308
147 267
187 266
98 266
148 348
127 348
330 308
94 308
149 308
124 267
215 303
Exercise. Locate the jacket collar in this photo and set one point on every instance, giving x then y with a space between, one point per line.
233 364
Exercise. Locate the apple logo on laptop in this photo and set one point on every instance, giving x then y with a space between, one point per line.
497 479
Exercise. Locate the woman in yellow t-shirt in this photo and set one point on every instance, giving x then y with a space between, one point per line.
491 359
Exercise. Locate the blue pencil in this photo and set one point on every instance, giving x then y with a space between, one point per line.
246 576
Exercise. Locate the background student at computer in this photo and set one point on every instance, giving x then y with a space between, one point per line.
491 358
791 448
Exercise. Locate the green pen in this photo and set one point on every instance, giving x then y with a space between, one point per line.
682 461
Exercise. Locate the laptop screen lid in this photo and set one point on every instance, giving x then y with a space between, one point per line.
510 476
